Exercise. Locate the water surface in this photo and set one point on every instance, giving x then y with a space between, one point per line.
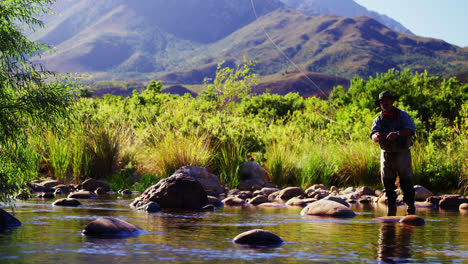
52 234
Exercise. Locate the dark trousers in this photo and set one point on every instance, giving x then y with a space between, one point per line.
393 164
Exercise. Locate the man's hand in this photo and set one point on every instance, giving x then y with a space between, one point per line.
392 136
376 137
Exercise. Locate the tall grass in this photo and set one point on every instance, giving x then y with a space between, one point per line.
358 163
315 165
168 153
58 156
80 156
105 152
229 158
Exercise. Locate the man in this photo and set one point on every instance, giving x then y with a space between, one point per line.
393 129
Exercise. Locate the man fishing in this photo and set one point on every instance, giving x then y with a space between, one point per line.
393 129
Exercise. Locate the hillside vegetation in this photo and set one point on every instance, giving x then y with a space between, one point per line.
299 141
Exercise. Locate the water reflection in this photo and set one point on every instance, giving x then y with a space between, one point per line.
395 243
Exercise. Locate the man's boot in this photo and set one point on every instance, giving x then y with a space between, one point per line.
411 209
391 209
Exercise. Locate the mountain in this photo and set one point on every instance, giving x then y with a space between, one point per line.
130 38
182 41
344 8
336 45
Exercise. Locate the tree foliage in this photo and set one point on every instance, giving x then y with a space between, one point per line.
30 96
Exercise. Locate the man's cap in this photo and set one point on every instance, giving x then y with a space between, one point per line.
382 95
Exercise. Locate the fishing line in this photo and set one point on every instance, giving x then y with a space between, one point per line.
295 65
282 52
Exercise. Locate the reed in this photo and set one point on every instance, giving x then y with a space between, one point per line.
58 156
166 154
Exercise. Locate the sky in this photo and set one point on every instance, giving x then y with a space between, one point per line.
441 19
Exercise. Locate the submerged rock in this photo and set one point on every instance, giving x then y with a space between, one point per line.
7 221
328 208
108 227
67 202
258 238
413 220
151 207
82 195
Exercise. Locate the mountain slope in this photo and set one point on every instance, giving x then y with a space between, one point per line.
182 41
336 45
346 8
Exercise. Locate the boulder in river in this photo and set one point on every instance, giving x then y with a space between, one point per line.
209 181
108 227
179 191
258 238
92 184
71 202
328 208
82 195
253 176
7 221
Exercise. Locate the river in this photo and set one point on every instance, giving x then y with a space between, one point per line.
51 234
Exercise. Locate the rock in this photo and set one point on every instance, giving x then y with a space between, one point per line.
92 184
273 196
67 202
99 191
290 192
244 195
23 195
295 201
328 208
271 205
215 201
209 181
389 219
233 201
452 202
209 208
259 199
334 189
46 195
233 192
65 189
365 199
364 190
337 199
425 205
349 190
150 207
82 195
108 227
421 193
413 220
317 193
252 176
258 238
179 191
125 192
7 221
266 191
51 183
